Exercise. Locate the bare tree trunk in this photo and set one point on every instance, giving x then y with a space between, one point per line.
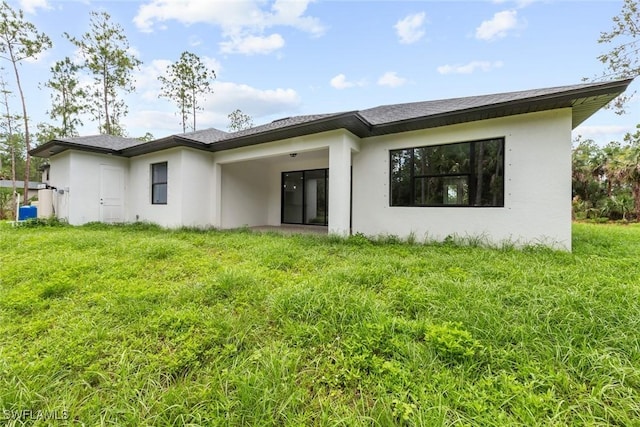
193 100
12 148
184 116
635 189
25 118
13 168
105 99
64 112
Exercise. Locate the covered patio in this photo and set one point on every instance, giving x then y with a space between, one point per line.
301 185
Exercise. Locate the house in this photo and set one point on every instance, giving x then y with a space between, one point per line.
33 186
493 166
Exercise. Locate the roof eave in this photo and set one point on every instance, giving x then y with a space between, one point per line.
56 146
172 141
599 96
351 121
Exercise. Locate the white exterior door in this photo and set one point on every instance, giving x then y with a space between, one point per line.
111 194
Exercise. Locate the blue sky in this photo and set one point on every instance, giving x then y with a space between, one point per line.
281 58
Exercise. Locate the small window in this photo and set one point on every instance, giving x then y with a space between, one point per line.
461 174
159 183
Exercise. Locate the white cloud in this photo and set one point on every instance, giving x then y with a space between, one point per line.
40 58
212 64
147 84
228 96
411 28
251 45
133 51
146 79
30 6
159 123
524 3
470 67
242 22
603 133
340 82
519 3
498 26
391 79
232 14
291 13
160 119
77 57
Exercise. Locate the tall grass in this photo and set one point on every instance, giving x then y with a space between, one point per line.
144 326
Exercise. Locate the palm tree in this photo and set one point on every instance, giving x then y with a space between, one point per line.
630 171
613 166
588 174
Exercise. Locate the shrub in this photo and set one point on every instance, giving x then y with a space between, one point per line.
451 342
42 222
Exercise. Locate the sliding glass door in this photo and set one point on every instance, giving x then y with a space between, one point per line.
292 197
305 197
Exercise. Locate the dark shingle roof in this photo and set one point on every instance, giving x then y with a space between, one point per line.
288 127
206 136
103 141
211 136
583 99
283 123
100 143
385 114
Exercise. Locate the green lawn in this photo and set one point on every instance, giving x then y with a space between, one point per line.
141 326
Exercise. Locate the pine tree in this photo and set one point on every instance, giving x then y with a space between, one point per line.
20 40
106 53
185 82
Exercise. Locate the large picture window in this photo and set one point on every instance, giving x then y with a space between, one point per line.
159 183
461 174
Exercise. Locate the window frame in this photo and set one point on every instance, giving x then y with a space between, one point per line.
471 175
304 173
156 184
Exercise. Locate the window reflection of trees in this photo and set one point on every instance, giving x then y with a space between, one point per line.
461 174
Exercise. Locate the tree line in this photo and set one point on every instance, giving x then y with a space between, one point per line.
106 57
606 179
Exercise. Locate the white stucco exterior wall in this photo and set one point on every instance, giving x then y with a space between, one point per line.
142 209
77 173
59 178
195 193
537 206
340 153
244 194
188 188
